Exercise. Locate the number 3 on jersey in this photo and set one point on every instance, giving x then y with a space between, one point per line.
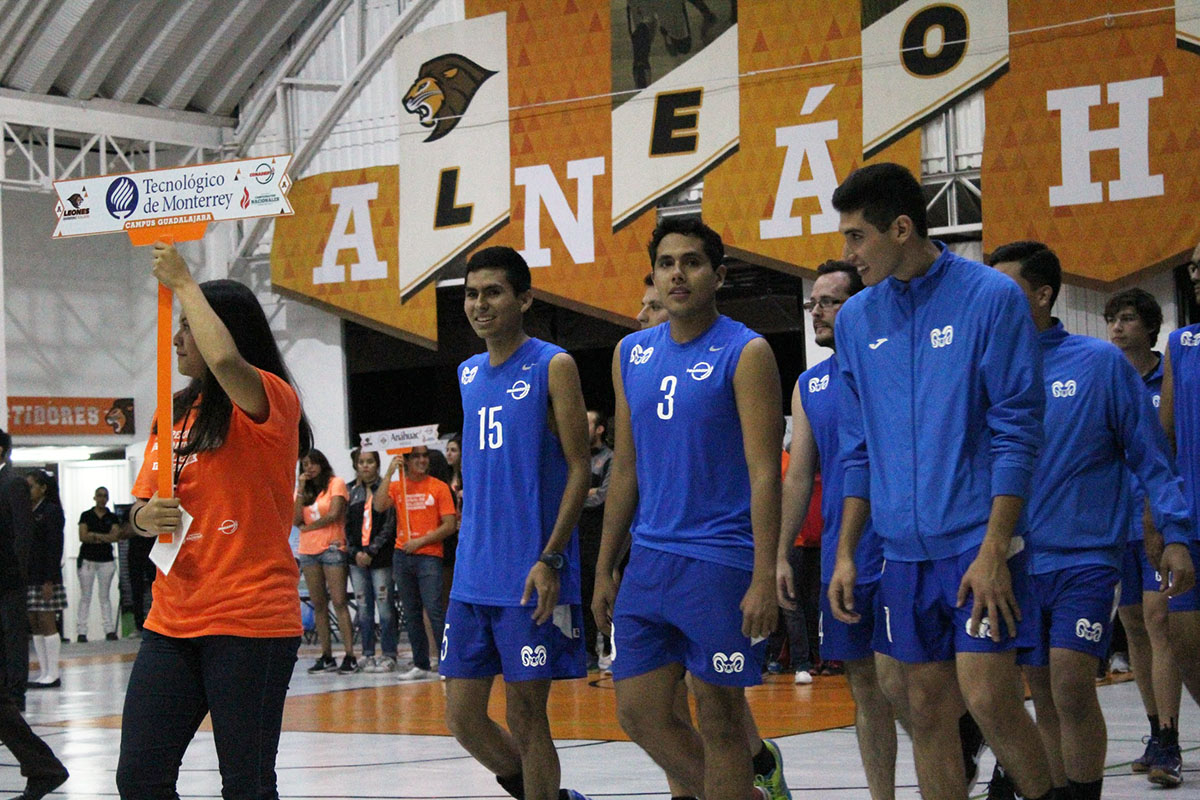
666 409
491 432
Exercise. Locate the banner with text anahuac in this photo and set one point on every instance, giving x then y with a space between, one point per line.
454 143
1092 142
340 252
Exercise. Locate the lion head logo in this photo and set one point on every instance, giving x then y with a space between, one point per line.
442 91
120 416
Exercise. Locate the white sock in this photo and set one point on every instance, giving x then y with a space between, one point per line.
39 649
53 647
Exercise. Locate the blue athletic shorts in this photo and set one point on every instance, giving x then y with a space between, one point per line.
842 642
1137 575
673 609
1074 609
1189 600
482 641
919 619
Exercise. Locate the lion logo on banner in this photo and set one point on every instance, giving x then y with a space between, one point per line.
442 91
120 416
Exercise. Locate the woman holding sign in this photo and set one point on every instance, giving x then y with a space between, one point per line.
223 632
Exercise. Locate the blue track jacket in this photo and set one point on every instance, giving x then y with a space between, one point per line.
941 404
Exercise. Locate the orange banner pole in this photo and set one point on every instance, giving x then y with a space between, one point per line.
166 423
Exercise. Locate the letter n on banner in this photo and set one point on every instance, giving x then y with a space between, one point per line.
921 57
454 143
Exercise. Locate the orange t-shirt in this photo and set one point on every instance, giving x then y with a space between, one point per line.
235 574
810 532
429 499
318 540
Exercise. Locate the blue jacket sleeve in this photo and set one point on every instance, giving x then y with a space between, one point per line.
852 439
1011 372
1145 443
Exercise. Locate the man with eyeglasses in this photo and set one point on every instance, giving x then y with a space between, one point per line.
1179 412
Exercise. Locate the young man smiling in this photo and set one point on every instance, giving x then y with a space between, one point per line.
524 436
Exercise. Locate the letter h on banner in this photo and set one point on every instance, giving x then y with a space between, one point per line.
1130 138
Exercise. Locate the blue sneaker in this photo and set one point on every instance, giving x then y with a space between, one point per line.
1167 771
1144 762
774 784
571 794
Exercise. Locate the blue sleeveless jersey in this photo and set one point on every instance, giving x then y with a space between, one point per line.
818 394
1137 532
514 475
1184 348
693 483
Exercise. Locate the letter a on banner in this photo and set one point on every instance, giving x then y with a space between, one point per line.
921 57
454 143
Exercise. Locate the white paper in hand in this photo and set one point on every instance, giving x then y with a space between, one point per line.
163 555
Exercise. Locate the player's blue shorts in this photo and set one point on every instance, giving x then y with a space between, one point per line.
842 642
1073 609
1189 600
1137 575
672 609
482 641
919 618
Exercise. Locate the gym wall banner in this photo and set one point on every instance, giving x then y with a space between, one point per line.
341 251
1092 143
1187 24
70 416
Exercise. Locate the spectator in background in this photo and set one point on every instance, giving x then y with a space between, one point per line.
425 516
805 559
99 528
46 595
370 539
320 513
590 523
450 545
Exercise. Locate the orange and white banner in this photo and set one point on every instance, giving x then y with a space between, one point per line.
454 143
62 416
1187 25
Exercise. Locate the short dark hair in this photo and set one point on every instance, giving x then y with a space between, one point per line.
516 271
5 444
1143 304
714 248
883 192
649 279
833 265
358 451
1039 264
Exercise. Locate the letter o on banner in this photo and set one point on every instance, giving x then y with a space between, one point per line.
913 53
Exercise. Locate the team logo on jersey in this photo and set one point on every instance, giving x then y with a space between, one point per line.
640 355
1089 631
818 384
715 349
875 345
1156 399
228 527
942 337
518 390
985 628
1189 339
728 664
468 374
1063 389
533 656
700 371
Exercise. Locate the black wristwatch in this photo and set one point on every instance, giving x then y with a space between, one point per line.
553 560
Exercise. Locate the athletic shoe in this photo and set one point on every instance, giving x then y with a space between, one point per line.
803 677
774 785
605 663
571 794
385 664
81 639
323 664
1001 786
370 664
349 664
416 674
1119 663
111 636
38 787
972 748
1153 752
1168 769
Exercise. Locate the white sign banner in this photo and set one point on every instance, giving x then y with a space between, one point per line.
922 57
399 438
675 129
243 189
454 143
1187 25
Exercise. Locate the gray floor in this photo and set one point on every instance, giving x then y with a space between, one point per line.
330 766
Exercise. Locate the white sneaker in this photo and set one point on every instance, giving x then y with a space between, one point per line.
385 664
604 663
1120 663
416 674
370 664
803 677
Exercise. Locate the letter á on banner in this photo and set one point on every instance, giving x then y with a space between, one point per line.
353 204
807 142
578 231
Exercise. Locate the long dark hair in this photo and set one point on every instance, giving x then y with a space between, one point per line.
313 488
49 483
238 308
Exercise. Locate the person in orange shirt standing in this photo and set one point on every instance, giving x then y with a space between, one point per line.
223 632
320 512
426 516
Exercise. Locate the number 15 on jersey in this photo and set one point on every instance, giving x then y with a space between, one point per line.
491 431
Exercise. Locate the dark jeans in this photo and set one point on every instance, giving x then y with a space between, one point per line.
373 589
802 623
14 638
589 553
141 577
419 585
175 682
